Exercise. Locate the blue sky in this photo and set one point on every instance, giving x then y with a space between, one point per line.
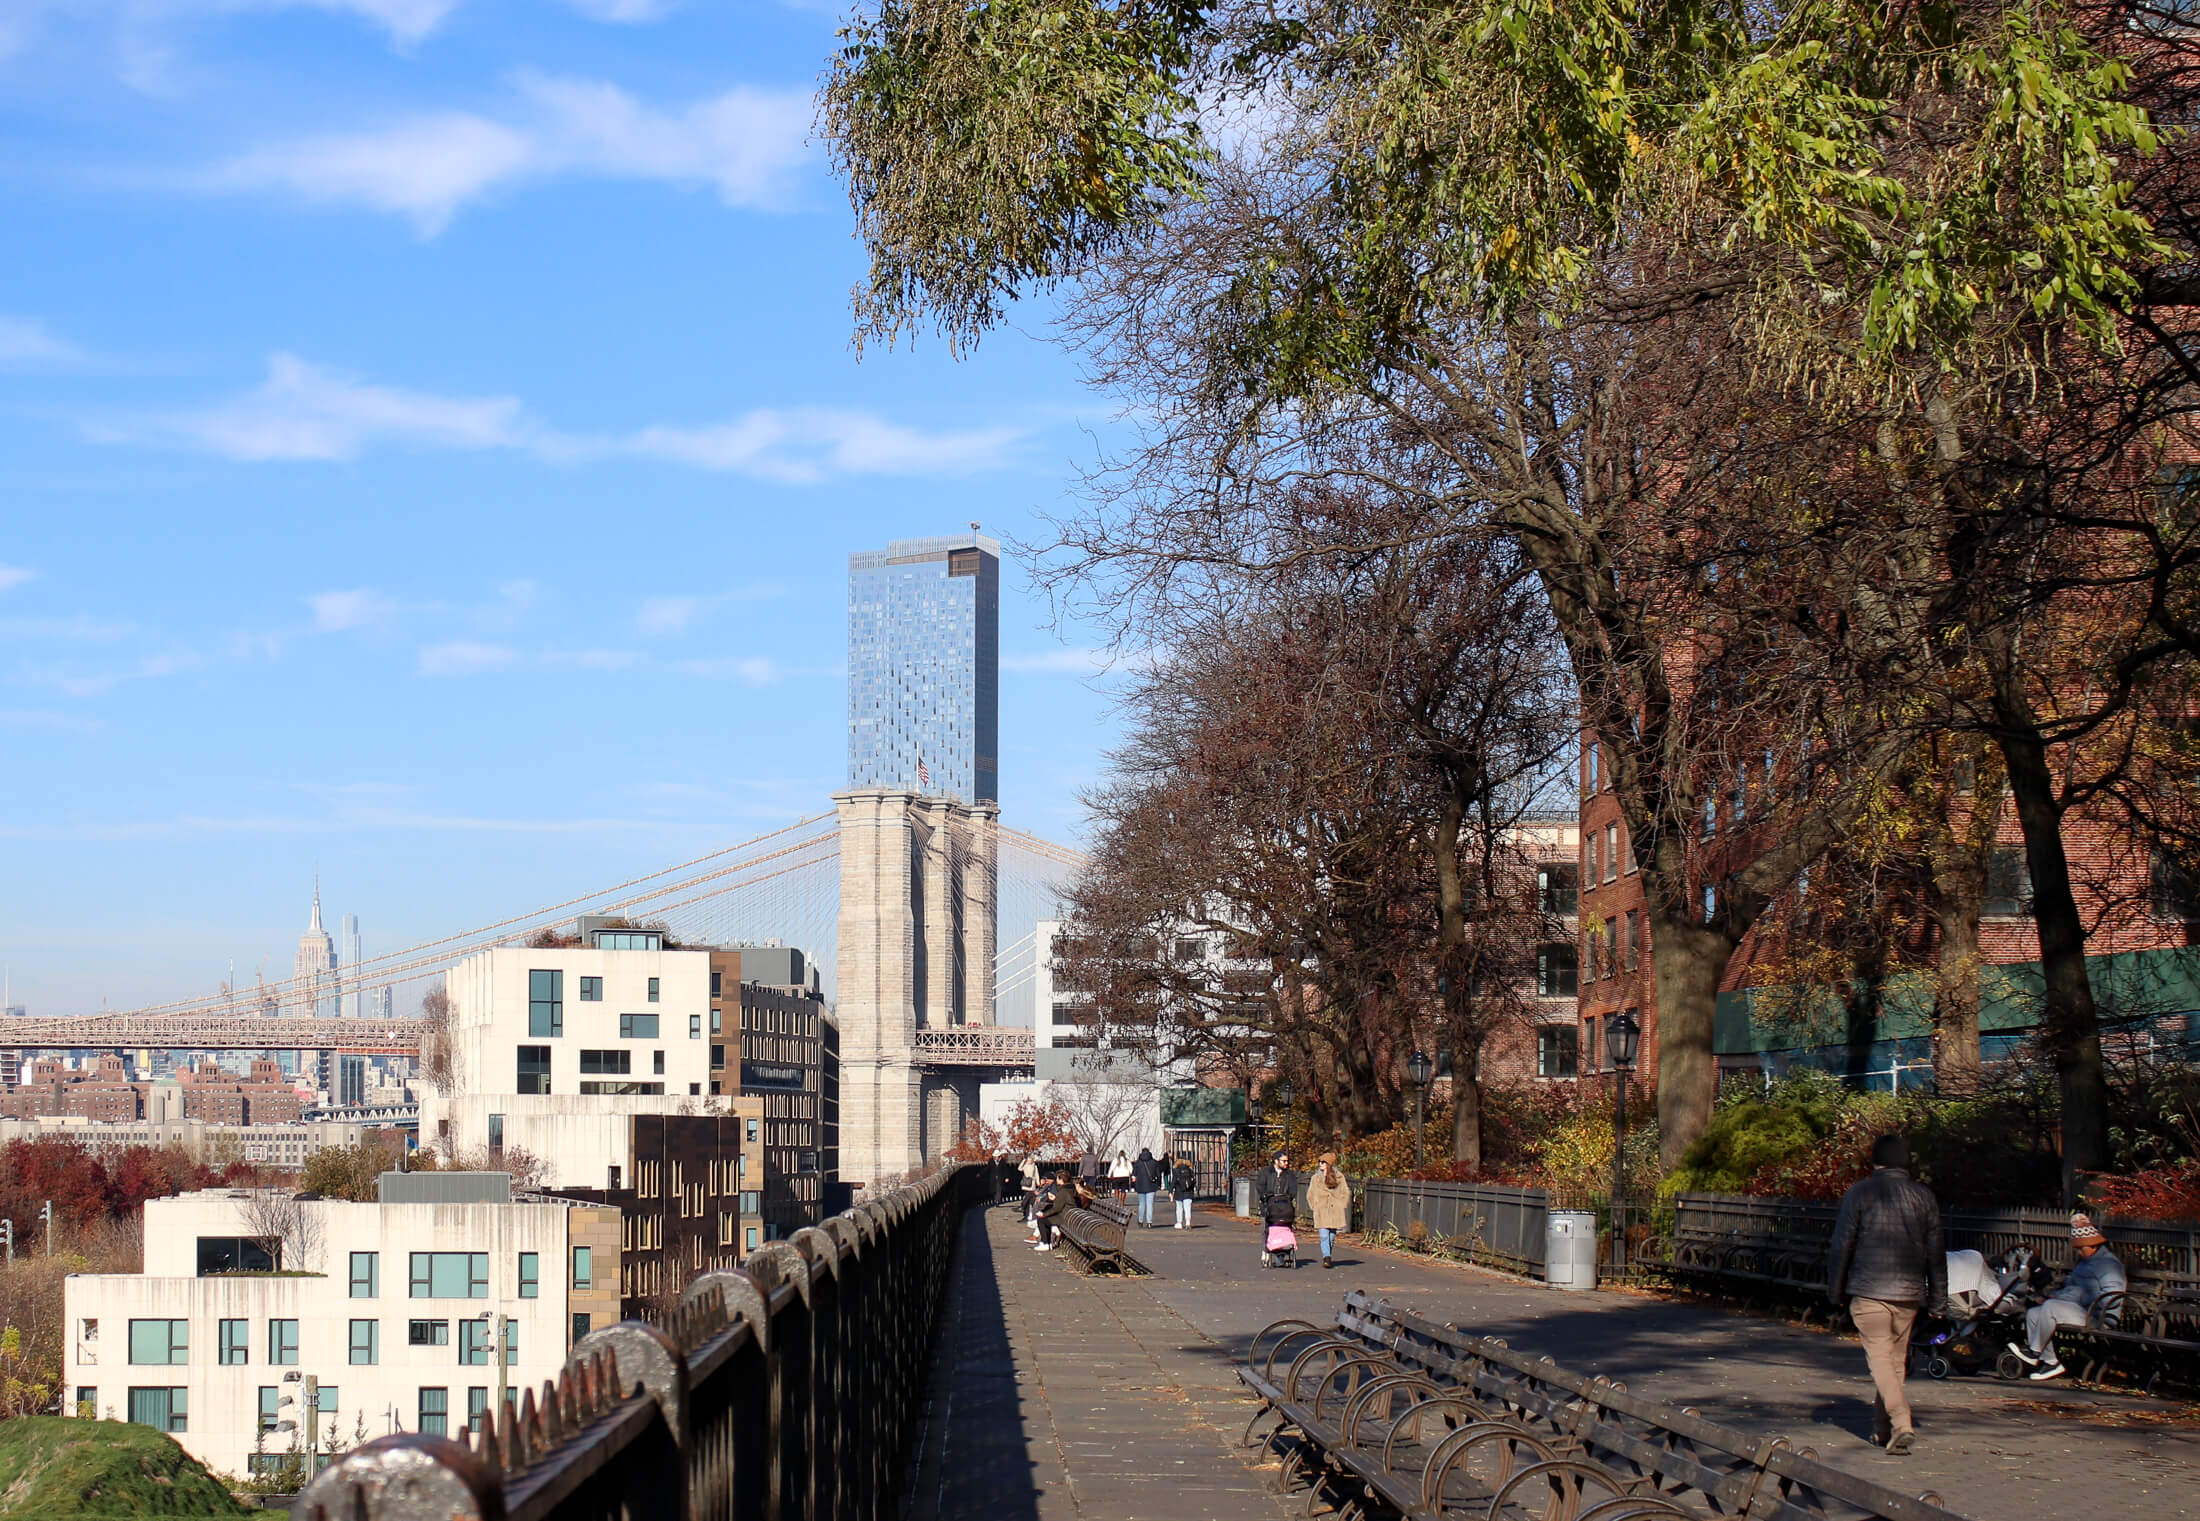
430 446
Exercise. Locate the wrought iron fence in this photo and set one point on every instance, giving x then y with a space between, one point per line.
1504 1227
787 1390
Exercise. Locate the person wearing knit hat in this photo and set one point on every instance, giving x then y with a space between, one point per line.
1888 1261
2094 1277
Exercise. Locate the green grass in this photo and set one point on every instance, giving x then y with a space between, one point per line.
77 1470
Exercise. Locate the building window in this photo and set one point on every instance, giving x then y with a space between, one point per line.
752 1238
234 1343
271 1406
534 1069
1710 815
1595 858
1589 767
637 1027
658 1063
611 1178
2175 887
2008 883
629 940
695 1088
427 1333
652 990
1557 1051
1634 938
583 1273
435 1412
748 1131
580 1324
530 1275
473 1343
87 1401
1557 971
1710 902
1591 1058
591 990
715 983
366 1275
477 1407
717 1021
450 1275
750 1203
695 1027
1611 946
161 1409
282 1343
496 1132
160 1341
605 1063
717 1058
511 1342
1556 889
1611 852
545 1003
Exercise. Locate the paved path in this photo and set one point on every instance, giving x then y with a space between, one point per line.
1060 1396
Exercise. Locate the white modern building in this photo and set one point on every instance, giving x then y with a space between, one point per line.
391 1309
554 1050
203 1141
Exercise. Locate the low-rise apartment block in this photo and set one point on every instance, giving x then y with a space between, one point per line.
395 1311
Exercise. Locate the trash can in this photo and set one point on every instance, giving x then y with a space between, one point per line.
1244 1192
1570 1249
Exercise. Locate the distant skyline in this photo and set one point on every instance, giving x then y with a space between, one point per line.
431 449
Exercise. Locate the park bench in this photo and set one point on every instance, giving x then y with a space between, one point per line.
1095 1233
2149 1334
1438 1423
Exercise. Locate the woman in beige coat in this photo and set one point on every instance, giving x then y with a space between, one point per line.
1329 1196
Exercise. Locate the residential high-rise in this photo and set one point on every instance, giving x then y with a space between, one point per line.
924 658
313 974
348 968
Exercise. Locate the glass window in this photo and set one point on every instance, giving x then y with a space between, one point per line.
427 1333
162 1409
473 1343
511 1342
652 990
1611 852
695 1027
716 983
580 1324
583 1258
496 1132
2008 883
717 1022
87 1401
591 990
752 1238
534 1069
477 1406
637 1027
748 1131
326 1400
717 1058
160 1341
235 1343
1557 1051
435 1412
545 1003
1557 971
601 1063
450 1275
1634 938
658 1063
282 1343
1556 889
271 1406
366 1343
530 1275
366 1274
611 1176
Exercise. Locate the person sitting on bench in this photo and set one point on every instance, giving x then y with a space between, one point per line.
2096 1273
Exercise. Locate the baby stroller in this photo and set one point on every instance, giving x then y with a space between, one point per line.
1990 1299
1280 1242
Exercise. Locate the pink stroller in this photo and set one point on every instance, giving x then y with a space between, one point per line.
1282 1247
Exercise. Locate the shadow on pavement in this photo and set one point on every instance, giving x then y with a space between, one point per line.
976 1458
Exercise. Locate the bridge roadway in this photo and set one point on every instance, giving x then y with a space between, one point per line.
1062 1398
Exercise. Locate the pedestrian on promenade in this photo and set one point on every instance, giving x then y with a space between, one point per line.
1119 1176
1146 1179
1182 1180
1888 1261
1329 1197
1088 1170
2097 1272
1055 1201
1275 1177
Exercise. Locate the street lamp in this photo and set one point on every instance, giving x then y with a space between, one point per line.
1417 1069
1285 1093
1622 1035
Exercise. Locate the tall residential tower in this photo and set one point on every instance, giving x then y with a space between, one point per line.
924 663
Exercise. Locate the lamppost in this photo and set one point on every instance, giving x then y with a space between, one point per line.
1417 1070
1621 1037
1285 1093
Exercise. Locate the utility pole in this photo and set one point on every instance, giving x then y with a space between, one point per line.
7 1235
49 1227
496 1350
313 1424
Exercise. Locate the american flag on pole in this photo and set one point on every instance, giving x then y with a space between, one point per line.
924 774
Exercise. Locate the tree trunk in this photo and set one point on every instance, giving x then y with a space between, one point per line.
2070 1030
1956 897
1455 980
1958 1063
1466 1104
1688 958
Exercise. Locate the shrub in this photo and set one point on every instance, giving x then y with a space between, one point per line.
1744 1138
2170 1192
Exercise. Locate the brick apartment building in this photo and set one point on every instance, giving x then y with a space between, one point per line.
771 1038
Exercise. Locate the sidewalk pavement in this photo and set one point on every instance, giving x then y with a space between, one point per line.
1058 1396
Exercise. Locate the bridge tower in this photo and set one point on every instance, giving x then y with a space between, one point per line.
919 885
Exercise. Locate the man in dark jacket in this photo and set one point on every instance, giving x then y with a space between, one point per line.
1145 1182
1056 1200
1888 1261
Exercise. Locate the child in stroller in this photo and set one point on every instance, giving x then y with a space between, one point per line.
1280 1242
1988 1300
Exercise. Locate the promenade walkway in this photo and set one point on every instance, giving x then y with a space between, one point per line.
1058 1396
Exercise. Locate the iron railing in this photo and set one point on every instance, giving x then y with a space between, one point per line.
786 1390
1504 1227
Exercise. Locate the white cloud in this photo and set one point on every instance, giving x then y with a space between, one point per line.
623 12
12 576
1081 662
27 344
337 612
667 615
462 657
806 444
305 411
752 670
744 143
407 21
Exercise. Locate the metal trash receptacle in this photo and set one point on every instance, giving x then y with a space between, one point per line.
1570 1249
1244 1198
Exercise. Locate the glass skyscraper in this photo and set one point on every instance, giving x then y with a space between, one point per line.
924 667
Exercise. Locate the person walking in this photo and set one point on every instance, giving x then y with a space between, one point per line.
1119 1176
1146 1181
1329 1198
1182 1181
2097 1272
1088 1170
1888 1260
1275 1181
